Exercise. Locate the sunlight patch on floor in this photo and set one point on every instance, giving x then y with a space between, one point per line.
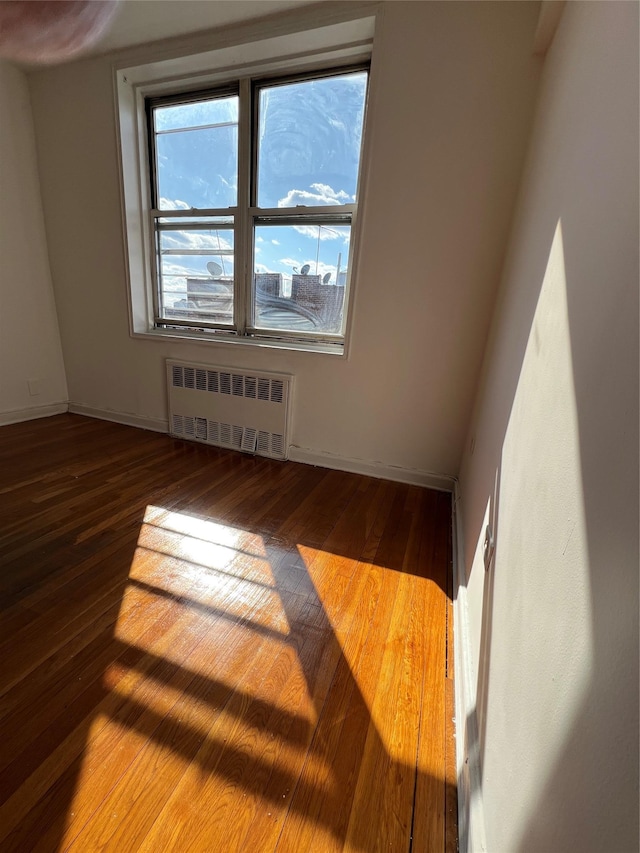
205 529
211 568
210 555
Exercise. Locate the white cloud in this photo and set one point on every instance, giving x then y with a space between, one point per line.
326 232
194 240
289 262
171 268
323 268
276 242
324 194
169 204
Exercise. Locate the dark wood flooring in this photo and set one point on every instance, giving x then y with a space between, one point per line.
206 651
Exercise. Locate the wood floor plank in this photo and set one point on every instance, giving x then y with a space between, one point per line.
318 811
378 774
218 652
325 792
218 789
429 814
133 688
150 779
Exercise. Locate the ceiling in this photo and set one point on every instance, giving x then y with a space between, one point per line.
139 21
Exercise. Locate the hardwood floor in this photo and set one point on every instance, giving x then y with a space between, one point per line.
207 651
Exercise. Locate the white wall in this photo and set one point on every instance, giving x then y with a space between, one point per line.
452 98
29 339
552 463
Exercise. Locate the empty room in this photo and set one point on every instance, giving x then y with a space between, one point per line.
319 367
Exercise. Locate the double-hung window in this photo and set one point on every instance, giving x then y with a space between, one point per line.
253 193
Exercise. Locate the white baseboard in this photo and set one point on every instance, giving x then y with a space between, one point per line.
154 424
372 469
471 827
441 482
16 416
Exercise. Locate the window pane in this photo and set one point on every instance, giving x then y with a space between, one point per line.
197 114
309 141
197 154
195 274
300 273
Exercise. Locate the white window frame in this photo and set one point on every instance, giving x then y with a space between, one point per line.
343 45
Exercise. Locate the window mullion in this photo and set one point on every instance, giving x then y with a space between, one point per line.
243 266
155 267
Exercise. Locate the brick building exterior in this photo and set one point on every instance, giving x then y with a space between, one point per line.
269 283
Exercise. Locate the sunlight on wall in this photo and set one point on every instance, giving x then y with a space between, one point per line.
475 586
542 587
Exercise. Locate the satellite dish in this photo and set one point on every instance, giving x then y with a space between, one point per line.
326 278
305 269
214 268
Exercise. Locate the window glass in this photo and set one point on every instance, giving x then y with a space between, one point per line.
196 273
197 154
309 140
300 273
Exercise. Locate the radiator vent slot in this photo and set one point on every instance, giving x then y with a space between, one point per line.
249 435
250 387
189 377
263 389
277 445
229 408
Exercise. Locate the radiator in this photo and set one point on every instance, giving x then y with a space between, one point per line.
237 409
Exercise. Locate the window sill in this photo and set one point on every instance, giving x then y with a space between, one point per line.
324 347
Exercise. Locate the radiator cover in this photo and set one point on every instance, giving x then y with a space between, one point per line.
227 407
